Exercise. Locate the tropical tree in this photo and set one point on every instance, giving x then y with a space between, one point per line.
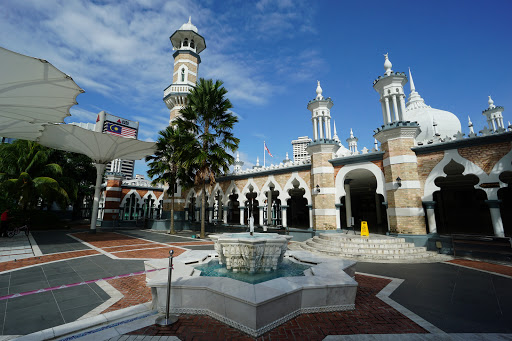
208 118
166 165
27 175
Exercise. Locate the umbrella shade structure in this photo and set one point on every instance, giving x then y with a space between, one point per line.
100 147
17 129
34 91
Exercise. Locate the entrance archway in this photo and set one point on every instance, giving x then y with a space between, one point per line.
365 203
460 208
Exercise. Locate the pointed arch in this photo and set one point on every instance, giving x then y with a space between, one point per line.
232 187
369 166
438 170
303 184
266 186
128 195
246 189
216 189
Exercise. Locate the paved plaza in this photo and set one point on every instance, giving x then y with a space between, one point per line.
74 285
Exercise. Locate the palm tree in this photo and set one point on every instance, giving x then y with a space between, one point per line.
27 175
166 165
208 118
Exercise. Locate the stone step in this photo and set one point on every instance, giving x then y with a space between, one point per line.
355 250
359 244
414 256
355 238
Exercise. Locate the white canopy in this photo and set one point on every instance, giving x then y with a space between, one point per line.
34 91
100 147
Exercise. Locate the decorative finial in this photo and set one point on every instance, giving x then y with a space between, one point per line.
411 82
237 156
376 144
351 133
491 103
190 19
470 124
319 91
335 132
387 65
287 158
257 161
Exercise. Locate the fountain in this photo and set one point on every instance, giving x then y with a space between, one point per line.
325 285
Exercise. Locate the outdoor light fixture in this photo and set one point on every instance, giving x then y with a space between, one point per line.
317 189
399 182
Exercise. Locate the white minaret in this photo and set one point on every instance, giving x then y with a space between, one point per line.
390 86
335 137
352 143
238 164
494 116
320 108
187 44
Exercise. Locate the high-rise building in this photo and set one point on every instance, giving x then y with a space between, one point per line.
299 148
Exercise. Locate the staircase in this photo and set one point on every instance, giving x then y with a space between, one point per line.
372 248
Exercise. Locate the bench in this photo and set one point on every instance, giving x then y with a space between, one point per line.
482 245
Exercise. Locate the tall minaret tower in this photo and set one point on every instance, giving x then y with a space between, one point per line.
188 44
494 116
403 187
322 149
390 87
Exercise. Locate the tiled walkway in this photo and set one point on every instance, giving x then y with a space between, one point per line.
17 247
464 296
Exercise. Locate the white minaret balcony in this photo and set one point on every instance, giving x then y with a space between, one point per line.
320 108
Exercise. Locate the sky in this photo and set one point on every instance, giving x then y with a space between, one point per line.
270 54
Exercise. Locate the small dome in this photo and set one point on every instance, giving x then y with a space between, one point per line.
188 26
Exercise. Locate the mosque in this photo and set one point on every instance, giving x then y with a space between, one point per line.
426 176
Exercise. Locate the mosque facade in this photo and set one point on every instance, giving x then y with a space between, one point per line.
425 177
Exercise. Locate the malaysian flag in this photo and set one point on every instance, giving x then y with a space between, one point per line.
266 148
116 129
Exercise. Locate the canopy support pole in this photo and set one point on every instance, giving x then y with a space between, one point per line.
100 168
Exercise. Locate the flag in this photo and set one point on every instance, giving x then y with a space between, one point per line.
268 151
116 129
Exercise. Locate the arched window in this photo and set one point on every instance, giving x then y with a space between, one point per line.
182 75
185 42
192 45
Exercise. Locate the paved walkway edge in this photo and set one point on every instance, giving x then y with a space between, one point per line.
87 323
383 295
35 248
477 269
414 337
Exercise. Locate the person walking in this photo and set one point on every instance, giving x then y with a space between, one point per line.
4 221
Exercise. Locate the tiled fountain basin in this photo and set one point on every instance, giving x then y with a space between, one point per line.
254 308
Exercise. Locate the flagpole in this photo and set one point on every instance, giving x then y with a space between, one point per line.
264 153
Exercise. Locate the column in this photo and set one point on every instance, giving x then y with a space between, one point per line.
348 204
378 208
100 168
497 223
186 214
283 215
338 218
388 111
431 216
269 207
260 209
320 125
315 128
385 204
395 107
242 212
329 127
326 126
384 116
493 124
210 213
310 216
402 107
225 210
198 213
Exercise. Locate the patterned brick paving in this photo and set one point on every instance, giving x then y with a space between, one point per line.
190 243
135 247
371 316
497 268
106 239
134 290
150 253
44 259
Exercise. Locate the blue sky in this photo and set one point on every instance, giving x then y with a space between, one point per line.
270 55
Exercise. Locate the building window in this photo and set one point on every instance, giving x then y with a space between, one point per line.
185 42
192 45
182 75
